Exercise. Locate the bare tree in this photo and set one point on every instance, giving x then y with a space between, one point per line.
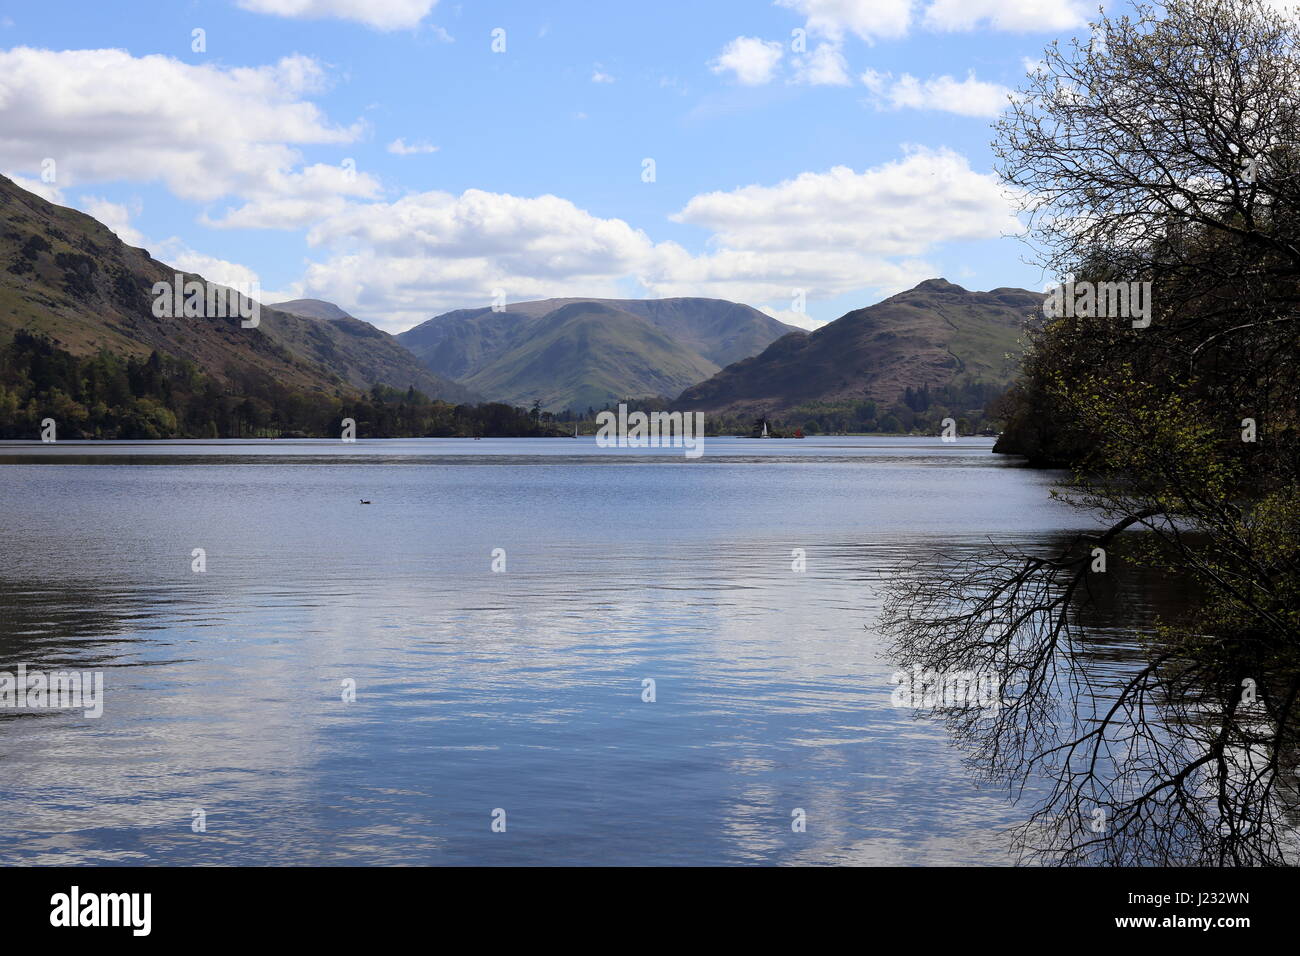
1164 150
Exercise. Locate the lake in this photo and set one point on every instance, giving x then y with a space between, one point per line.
479 690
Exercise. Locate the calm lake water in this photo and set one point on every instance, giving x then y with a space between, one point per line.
477 690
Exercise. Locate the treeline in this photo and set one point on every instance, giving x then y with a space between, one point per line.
976 407
107 396
973 405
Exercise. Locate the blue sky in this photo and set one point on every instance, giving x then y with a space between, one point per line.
381 154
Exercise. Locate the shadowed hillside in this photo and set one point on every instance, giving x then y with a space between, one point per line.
68 278
929 337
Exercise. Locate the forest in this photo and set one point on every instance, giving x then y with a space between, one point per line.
106 396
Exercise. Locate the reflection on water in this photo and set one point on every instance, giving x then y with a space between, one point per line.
1139 742
477 690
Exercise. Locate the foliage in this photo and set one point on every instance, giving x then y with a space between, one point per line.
108 396
1162 151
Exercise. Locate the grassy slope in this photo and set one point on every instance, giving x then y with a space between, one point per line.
652 347
360 353
587 354
67 276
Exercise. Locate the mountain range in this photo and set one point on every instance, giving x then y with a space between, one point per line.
580 353
67 277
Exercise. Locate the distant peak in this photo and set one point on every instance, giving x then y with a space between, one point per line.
938 285
311 309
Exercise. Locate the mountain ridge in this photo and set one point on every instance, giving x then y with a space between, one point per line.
648 347
930 336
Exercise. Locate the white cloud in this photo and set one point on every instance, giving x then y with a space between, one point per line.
289 213
800 320
545 229
868 19
968 97
175 252
825 66
756 276
400 147
599 77
751 59
380 14
47 191
891 19
1012 15
835 232
204 131
428 251
900 208
299 199
824 233
115 216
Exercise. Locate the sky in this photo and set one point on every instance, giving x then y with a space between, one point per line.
403 158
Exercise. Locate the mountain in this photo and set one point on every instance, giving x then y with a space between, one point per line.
312 309
575 353
357 351
68 277
931 336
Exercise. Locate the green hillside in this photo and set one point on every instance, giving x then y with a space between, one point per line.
579 353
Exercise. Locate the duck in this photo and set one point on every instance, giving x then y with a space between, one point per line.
365 501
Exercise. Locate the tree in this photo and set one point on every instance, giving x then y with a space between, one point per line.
1161 159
